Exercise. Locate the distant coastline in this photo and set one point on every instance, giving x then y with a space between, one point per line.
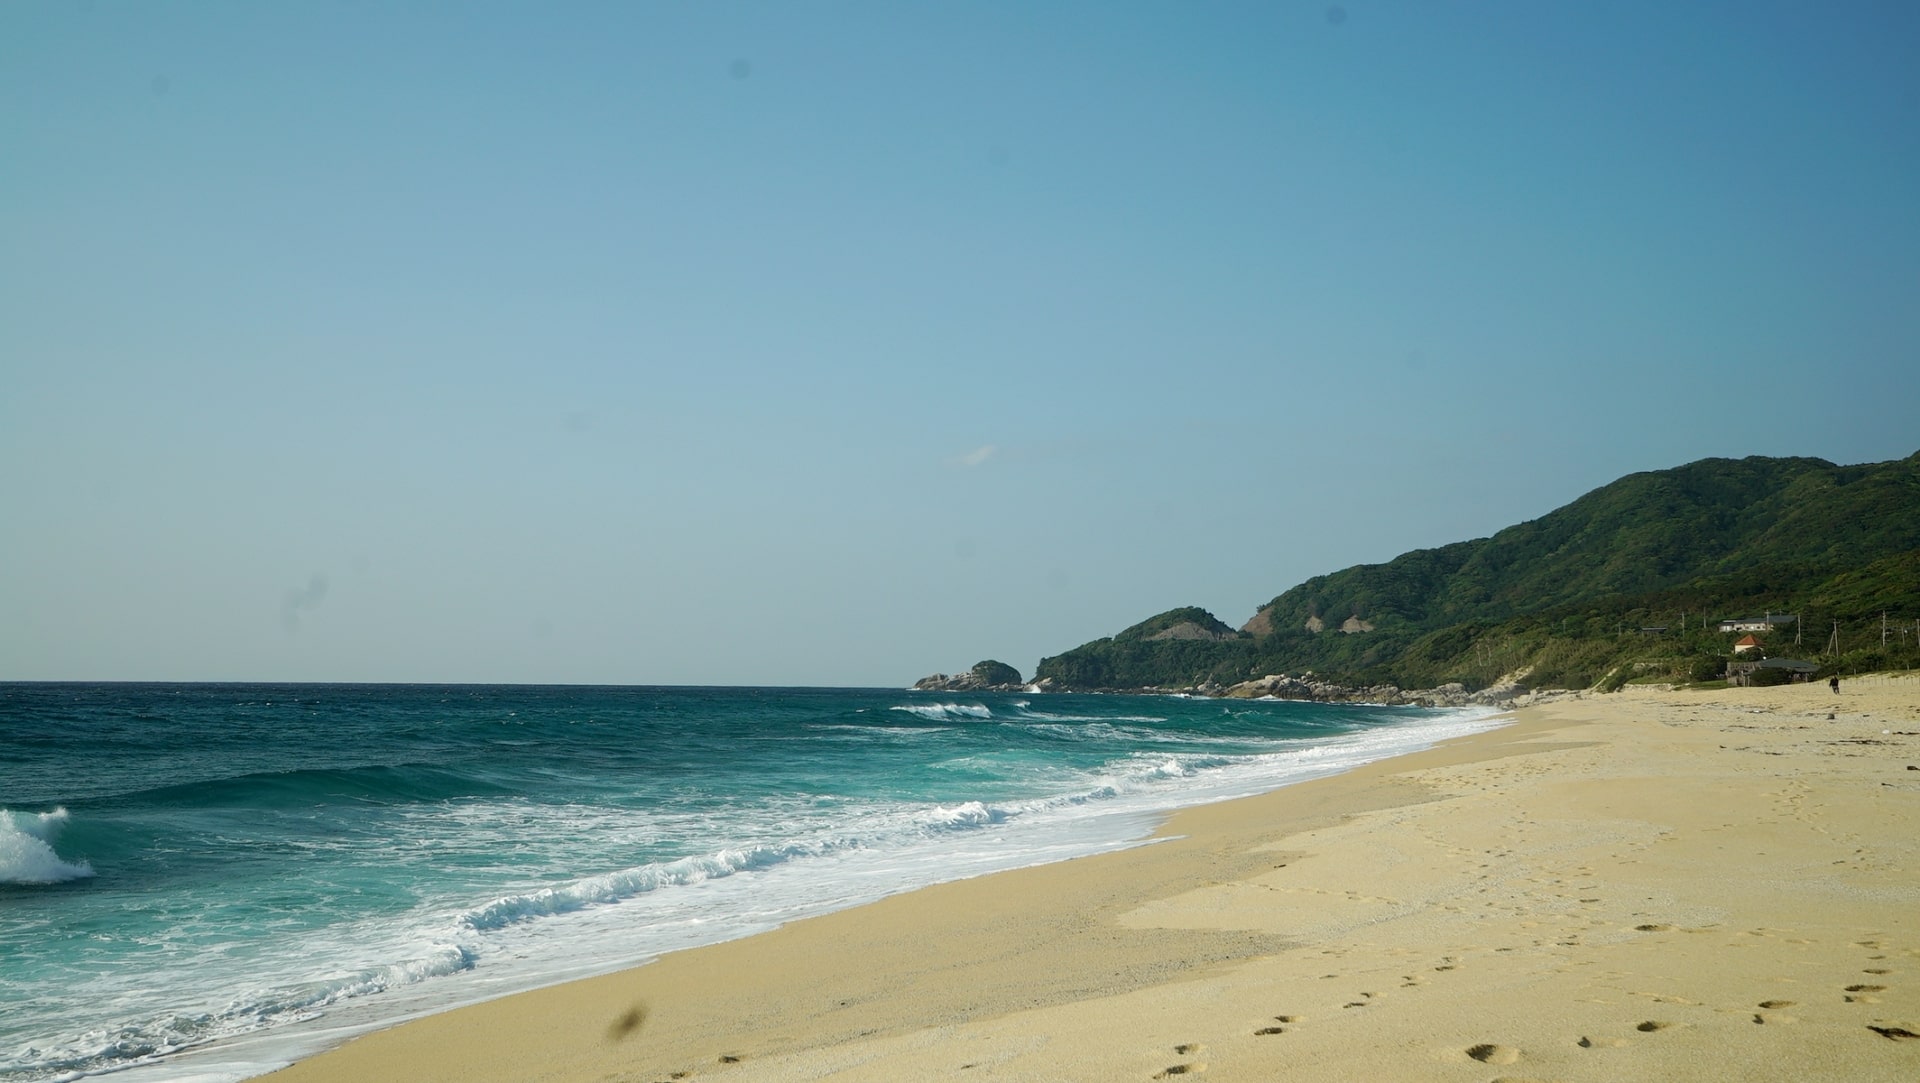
991 676
1650 579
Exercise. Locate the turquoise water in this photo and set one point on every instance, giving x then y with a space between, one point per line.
205 881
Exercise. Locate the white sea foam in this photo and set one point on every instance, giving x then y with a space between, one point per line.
137 1040
299 1001
614 886
1044 716
967 814
946 712
26 849
891 731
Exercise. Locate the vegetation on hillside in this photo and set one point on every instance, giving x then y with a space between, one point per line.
1624 583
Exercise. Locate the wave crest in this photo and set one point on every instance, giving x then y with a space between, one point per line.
26 849
965 814
613 887
945 712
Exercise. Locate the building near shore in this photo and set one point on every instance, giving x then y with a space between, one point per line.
1741 674
1766 623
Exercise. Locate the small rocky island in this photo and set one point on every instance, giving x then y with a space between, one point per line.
987 676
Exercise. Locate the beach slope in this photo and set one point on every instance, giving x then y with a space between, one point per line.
1645 885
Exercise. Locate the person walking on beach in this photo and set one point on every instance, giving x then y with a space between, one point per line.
1834 683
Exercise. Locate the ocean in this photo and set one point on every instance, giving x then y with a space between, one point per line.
203 882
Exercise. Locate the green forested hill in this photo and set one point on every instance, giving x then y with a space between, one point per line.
1569 593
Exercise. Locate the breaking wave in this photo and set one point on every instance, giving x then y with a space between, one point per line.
614 887
26 849
945 712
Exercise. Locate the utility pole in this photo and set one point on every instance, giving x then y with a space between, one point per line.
1833 641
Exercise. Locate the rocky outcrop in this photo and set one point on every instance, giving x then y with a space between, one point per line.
986 676
1308 687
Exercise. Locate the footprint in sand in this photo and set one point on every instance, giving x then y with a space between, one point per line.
1861 998
1601 1043
1898 1032
1264 1031
1652 1025
1776 1004
1185 1049
1863 994
1489 1053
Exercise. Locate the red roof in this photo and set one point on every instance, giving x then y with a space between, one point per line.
1746 641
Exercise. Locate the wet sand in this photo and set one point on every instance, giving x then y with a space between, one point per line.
1644 885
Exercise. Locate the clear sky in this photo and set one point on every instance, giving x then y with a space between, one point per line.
839 343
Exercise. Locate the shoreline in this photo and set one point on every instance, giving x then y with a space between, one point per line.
1506 898
1071 787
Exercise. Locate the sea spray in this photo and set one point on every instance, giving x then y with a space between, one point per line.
26 849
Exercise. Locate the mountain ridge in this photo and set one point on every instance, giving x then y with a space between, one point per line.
1554 594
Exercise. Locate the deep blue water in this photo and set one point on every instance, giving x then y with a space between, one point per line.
184 864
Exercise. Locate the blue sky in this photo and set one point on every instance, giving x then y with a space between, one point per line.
840 343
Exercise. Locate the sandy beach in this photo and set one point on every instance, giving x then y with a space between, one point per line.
1647 885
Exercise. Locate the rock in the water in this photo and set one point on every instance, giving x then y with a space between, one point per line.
987 676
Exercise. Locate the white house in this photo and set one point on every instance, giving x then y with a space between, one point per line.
1756 624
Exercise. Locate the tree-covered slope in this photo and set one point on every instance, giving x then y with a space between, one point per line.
1718 537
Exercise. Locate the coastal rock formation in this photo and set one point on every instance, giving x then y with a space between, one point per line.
985 676
1308 687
